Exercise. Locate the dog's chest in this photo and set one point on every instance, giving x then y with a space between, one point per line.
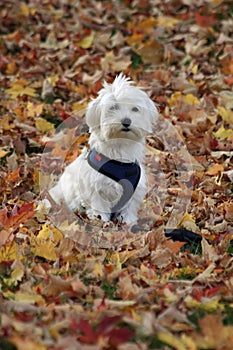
106 189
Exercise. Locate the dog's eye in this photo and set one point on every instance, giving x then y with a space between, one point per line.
114 107
135 109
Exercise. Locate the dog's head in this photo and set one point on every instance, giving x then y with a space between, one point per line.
121 111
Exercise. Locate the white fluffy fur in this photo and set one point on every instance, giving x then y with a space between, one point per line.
81 186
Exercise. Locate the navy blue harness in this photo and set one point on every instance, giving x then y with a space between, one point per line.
126 174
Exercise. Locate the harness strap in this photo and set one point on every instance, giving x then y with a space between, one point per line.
126 174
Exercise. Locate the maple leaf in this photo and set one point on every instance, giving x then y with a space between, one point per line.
213 334
17 216
105 329
45 242
34 110
10 251
44 126
20 88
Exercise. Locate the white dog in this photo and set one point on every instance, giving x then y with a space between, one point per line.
109 181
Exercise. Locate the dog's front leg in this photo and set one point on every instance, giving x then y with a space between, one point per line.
97 209
130 213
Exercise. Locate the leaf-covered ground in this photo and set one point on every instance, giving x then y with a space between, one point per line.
71 284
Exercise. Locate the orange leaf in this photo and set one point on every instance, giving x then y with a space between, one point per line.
203 20
13 176
215 169
17 216
174 246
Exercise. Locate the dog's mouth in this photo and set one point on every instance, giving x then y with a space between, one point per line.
126 129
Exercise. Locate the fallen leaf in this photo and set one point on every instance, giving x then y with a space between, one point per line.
27 344
213 334
21 88
223 133
9 252
171 340
215 169
87 42
44 126
3 153
226 114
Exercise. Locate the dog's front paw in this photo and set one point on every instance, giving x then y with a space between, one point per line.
93 214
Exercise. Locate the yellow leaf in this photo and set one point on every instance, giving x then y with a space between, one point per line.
167 21
115 260
207 304
170 296
223 133
11 68
34 110
77 106
191 99
44 126
23 297
226 114
195 69
3 153
44 243
87 41
187 217
50 233
174 98
53 80
146 25
44 249
28 91
24 343
9 251
21 88
135 40
16 276
188 342
98 269
25 10
171 340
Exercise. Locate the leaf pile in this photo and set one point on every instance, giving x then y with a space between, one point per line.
72 284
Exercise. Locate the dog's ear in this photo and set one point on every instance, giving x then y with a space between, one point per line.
93 114
153 112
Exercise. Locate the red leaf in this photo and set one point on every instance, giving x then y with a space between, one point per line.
204 20
89 336
120 336
107 324
17 216
3 217
212 291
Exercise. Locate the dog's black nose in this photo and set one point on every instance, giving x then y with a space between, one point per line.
126 122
